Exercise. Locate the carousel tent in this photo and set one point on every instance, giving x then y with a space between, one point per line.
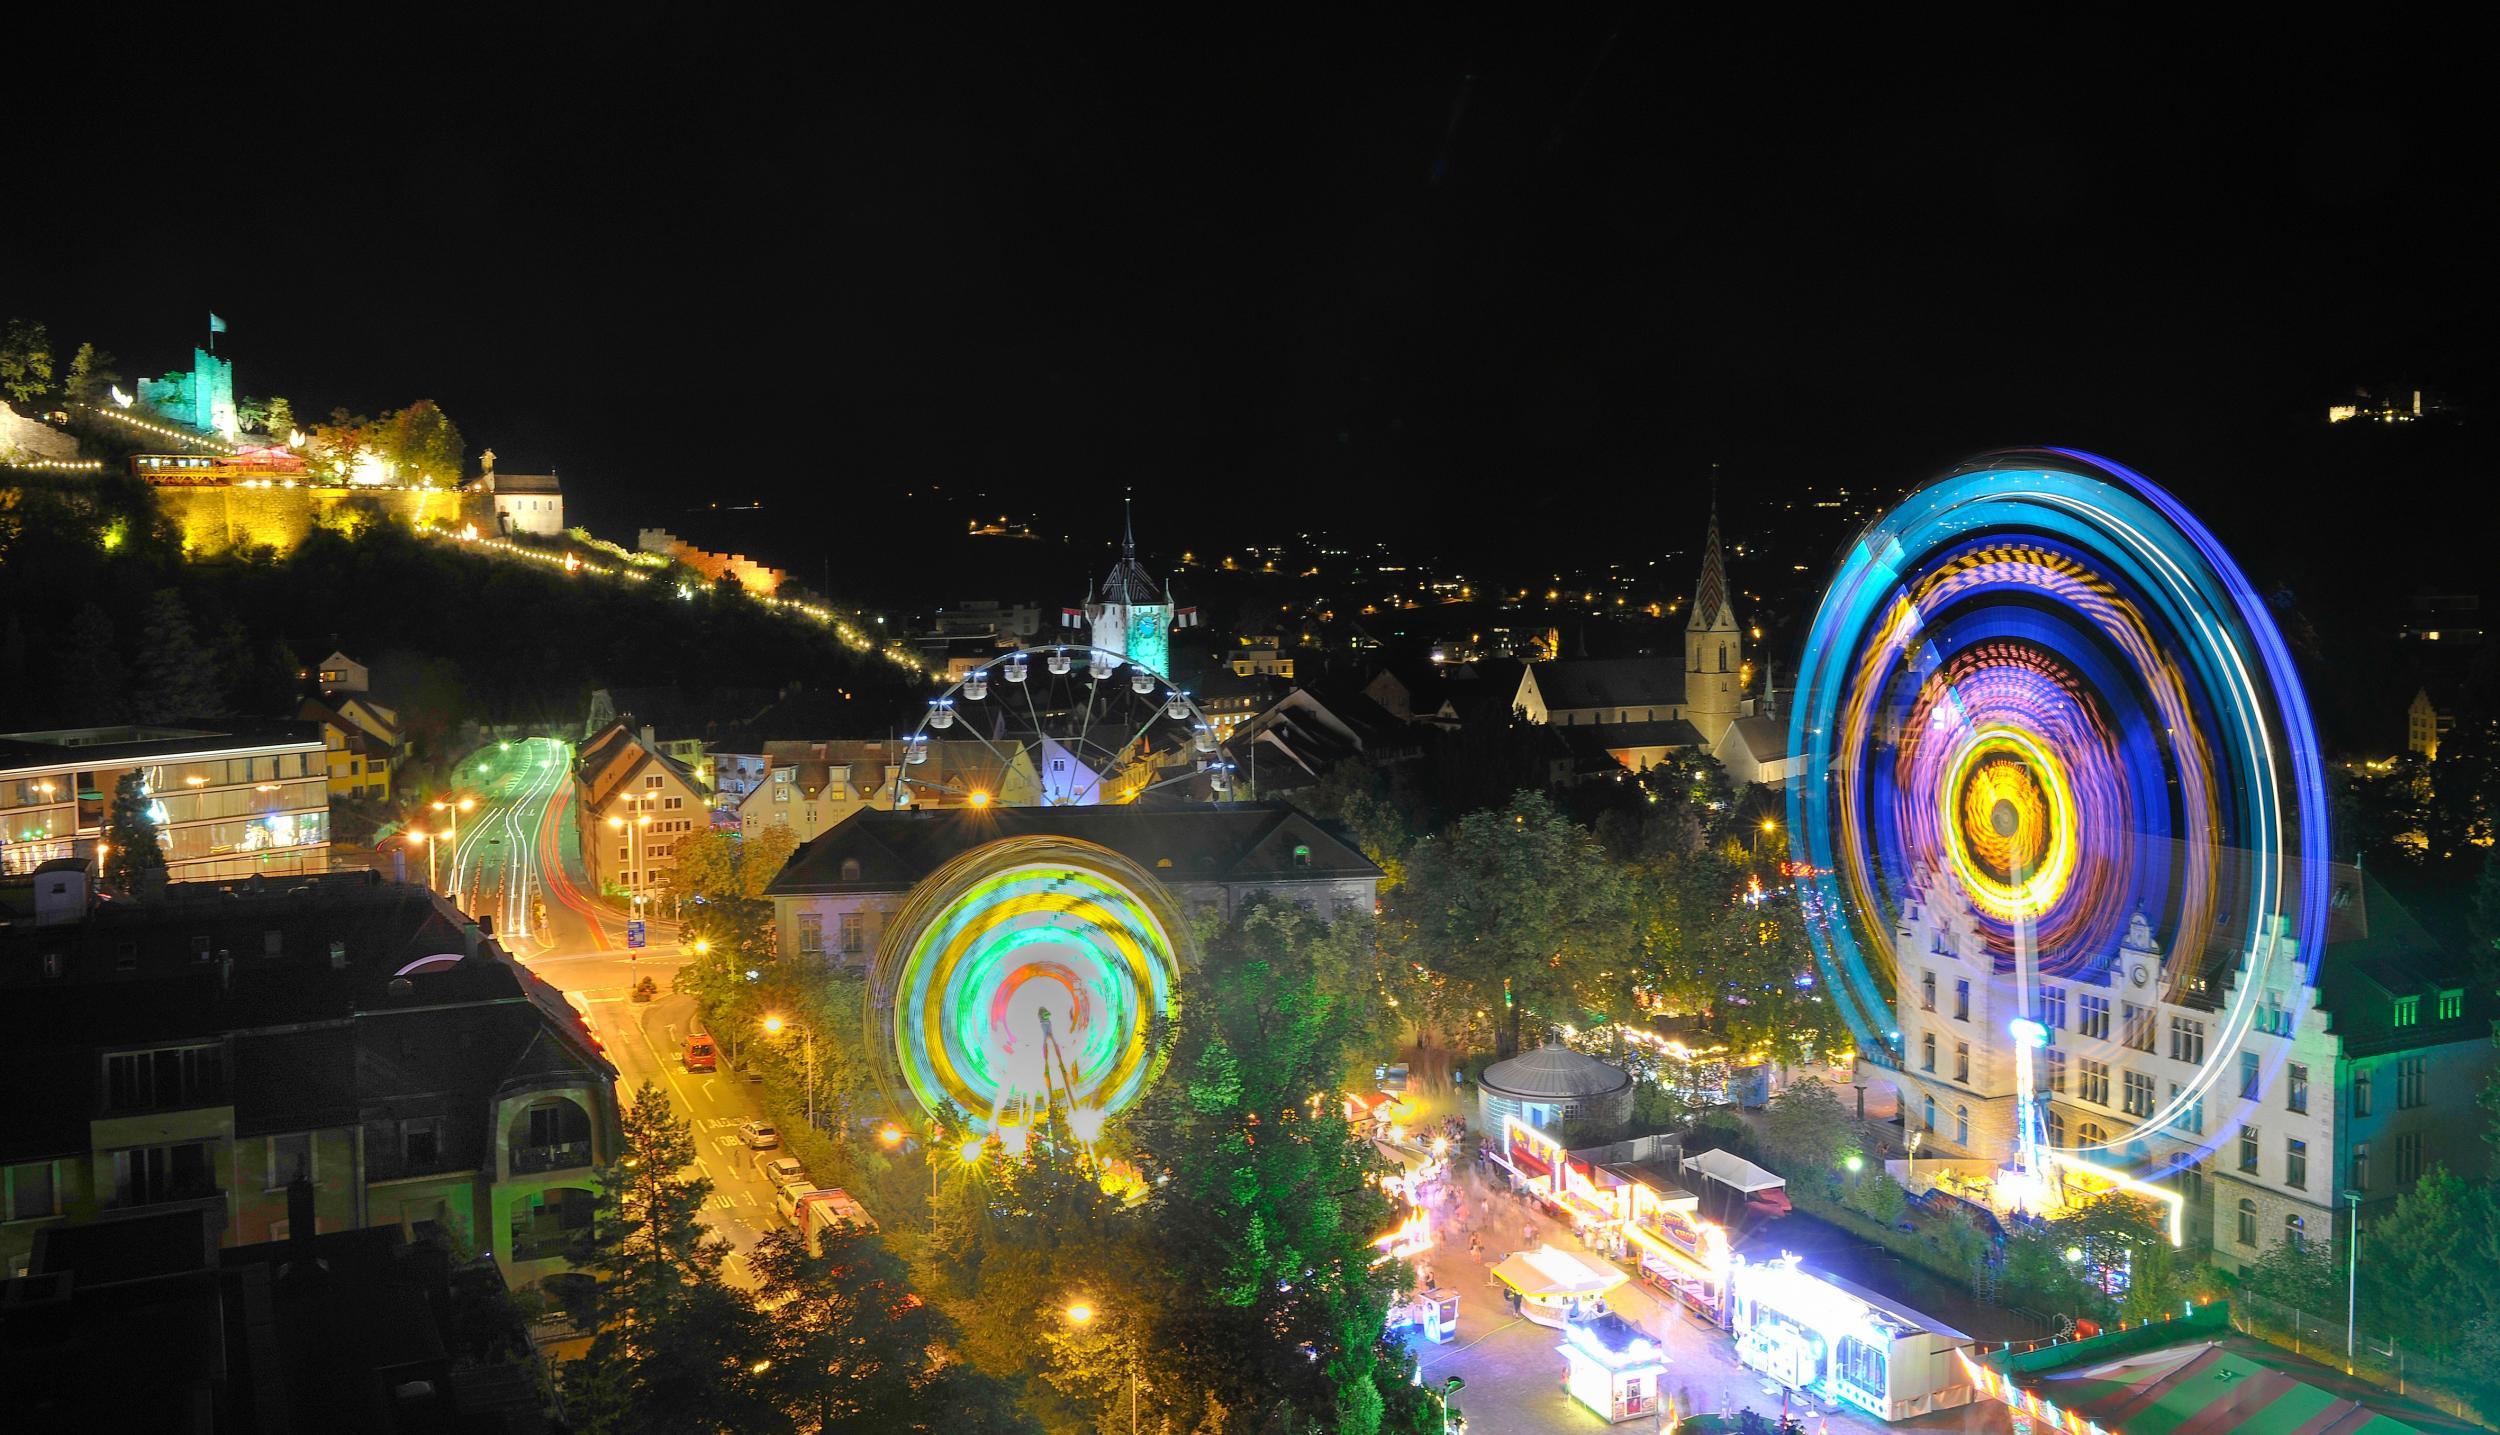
1556 1274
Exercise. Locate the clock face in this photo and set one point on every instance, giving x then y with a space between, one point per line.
2141 976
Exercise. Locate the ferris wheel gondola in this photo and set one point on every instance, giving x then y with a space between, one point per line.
1067 725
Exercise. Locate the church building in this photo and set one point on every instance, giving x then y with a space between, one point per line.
1645 708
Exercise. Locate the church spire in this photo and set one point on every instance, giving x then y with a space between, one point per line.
1712 611
1128 525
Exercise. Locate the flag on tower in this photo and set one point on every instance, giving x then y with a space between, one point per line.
216 325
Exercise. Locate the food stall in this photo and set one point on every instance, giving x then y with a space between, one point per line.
1679 1253
1554 1286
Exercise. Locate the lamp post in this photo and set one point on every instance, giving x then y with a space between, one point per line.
774 1025
632 828
421 839
1455 1384
1080 1313
455 806
2352 1276
1768 826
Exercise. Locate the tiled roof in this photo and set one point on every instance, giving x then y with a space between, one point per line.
1233 842
1620 683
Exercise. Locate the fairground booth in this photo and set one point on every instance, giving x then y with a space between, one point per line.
1611 1366
1823 1336
2186 1374
1634 1209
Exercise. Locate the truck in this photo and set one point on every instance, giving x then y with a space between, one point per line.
701 1055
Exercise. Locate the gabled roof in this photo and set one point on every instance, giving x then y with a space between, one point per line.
1711 611
615 758
1764 739
1610 682
1232 842
1665 732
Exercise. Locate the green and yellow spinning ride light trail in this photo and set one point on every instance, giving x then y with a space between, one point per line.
1026 976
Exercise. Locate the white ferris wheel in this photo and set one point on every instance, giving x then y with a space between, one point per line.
1066 725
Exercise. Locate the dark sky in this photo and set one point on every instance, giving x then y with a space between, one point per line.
1473 286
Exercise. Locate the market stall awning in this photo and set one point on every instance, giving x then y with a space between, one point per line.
1546 1271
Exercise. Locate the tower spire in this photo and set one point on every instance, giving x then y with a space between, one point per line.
1128 525
1711 609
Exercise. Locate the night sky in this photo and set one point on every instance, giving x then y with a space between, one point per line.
1480 290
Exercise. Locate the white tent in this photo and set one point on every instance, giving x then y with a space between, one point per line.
1729 1169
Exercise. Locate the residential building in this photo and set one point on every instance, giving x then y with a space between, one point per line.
202 1048
2331 1091
361 743
340 673
230 799
832 901
633 803
352 1330
810 786
1260 655
2428 721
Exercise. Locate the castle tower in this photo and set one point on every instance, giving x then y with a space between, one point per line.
1131 616
1714 647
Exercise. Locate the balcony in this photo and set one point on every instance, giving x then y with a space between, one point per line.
531 1159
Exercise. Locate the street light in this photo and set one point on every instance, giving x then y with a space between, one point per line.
2352 1276
632 828
1080 1314
418 839
774 1025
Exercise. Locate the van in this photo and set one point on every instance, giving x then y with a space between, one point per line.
787 1199
699 1053
822 1210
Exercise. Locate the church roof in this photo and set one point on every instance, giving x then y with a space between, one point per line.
1568 683
1765 738
1129 584
1711 609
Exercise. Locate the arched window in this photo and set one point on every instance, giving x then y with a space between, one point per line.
2057 1127
2248 1222
1723 657
2091 1134
1301 856
1927 1111
1927 1052
2295 1231
850 869
1961 1126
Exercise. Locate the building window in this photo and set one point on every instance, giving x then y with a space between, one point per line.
2191 1116
2139 1094
2056 1122
421 1143
2296 1088
2053 1008
1961 1126
2361 1093
781 794
2136 1027
166 1077
290 1156
2451 1004
2361 1166
1927 1052
854 940
1961 1000
1927 1112
2092 1083
850 869
1927 991
1301 856
811 934
2249 1075
2296 1232
148 1174
652 781
33 1191
2248 1150
2408 1010
2187 1040
2296 1163
2057 1072
2409 1073
2095 1017
2090 1134
2408 1158
1961 1061
2248 1222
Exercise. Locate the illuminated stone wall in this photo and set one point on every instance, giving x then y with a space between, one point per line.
220 520
202 398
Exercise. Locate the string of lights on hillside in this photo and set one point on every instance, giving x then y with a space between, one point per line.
55 465
162 430
849 633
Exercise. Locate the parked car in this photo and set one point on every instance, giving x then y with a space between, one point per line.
759 1135
780 1171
